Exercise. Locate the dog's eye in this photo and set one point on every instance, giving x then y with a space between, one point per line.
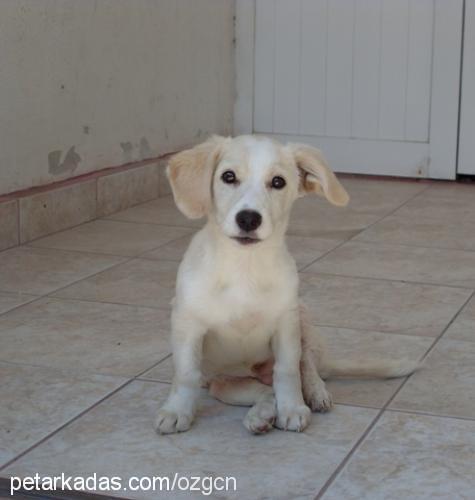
278 182
229 177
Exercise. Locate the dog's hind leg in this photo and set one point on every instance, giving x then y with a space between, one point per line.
248 391
315 393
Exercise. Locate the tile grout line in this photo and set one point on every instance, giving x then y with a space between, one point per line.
351 238
49 294
402 333
103 254
373 278
428 414
343 463
181 226
385 407
61 427
379 243
124 259
449 324
96 218
92 301
82 413
70 250
21 305
140 255
45 247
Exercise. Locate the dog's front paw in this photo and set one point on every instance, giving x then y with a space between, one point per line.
169 422
295 418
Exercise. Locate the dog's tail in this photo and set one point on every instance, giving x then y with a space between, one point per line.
370 368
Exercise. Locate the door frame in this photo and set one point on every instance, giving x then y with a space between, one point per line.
439 158
466 160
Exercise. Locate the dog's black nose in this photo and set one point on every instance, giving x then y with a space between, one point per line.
248 220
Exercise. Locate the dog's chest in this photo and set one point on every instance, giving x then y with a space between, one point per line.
236 293
244 304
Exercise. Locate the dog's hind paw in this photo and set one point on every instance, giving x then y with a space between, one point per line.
169 422
260 418
318 399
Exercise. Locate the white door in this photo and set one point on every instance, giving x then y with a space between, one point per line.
373 83
466 163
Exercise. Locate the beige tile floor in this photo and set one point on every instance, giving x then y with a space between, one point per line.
84 353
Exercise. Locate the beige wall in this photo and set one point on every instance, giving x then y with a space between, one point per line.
107 82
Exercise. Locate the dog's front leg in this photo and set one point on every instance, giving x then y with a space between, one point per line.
292 413
177 414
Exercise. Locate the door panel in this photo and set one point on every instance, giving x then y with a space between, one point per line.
365 78
365 98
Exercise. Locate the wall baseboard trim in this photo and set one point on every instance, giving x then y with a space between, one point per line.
36 212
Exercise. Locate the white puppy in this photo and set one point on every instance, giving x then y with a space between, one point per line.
236 323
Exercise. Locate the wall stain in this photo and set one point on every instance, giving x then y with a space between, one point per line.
86 129
69 164
127 148
145 151
199 134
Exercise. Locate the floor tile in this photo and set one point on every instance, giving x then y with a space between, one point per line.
351 345
369 201
305 250
112 237
452 188
89 336
316 218
160 211
383 306
400 262
11 300
365 347
36 401
163 372
381 195
446 385
448 205
423 232
116 438
175 250
410 456
39 270
463 328
136 282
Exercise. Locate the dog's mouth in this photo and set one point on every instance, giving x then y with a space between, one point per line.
246 240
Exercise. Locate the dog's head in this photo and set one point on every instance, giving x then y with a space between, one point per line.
248 184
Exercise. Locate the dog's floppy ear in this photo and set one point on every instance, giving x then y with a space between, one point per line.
190 174
316 176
